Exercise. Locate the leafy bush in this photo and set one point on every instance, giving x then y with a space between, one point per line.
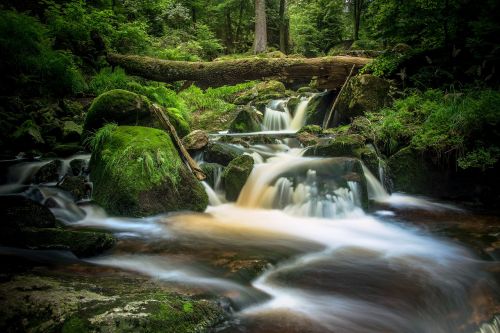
28 61
464 125
385 64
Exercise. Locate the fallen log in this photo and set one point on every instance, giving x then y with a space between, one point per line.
330 72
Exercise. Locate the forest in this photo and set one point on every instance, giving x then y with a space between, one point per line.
250 166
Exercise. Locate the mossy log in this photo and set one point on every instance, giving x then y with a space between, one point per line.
330 72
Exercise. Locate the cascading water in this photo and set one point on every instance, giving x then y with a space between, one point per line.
277 116
328 265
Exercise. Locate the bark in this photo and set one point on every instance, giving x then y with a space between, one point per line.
229 31
260 42
330 72
284 31
357 6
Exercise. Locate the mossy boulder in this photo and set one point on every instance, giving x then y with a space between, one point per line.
292 104
49 172
235 176
121 107
342 145
76 186
137 171
363 93
72 132
196 140
309 135
213 171
28 135
17 212
78 166
177 120
262 92
221 153
318 107
247 120
68 149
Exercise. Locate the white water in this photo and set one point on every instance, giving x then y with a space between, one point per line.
277 116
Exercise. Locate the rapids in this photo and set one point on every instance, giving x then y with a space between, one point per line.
314 260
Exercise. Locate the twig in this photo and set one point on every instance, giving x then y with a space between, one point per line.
332 110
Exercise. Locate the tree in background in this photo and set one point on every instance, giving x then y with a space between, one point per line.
260 41
284 27
356 8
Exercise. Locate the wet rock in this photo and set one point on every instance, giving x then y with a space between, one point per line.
81 243
306 89
363 93
101 303
342 145
247 120
68 149
195 140
213 171
78 167
121 107
77 186
318 107
292 104
28 135
221 153
18 212
262 92
235 176
48 172
309 135
137 171
72 132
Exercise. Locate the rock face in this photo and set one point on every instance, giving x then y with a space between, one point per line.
363 93
121 107
137 172
235 176
195 140
246 121
318 107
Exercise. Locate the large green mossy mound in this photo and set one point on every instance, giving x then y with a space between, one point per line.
123 107
137 172
235 176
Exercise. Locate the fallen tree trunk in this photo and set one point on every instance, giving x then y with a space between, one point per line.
330 72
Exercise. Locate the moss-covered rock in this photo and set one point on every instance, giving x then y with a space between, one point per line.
137 172
49 172
121 107
213 171
363 93
318 107
71 304
17 212
247 120
262 92
72 132
309 135
196 140
177 120
292 104
235 176
342 145
221 153
68 149
28 135
78 166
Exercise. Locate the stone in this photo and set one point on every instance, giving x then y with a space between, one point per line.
235 176
137 171
196 140
318 107
77 186
17 212
342 145
221 153
78 167
247 120
363 93
71 131
49 172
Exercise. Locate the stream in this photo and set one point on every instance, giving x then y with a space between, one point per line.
297 252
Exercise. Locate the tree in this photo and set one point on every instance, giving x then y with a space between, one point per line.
260 41
356 7
284 27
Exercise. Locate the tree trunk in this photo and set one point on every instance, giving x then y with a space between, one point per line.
229 32
260 42
357 7
330 72
239 28
283 27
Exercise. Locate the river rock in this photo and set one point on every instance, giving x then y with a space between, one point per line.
318 107
221 153
247 120
137 171
76 186
213 171
342 145
261 94
196 140
48 172
362 94
28 135
78 166
17 212
235 176
72 132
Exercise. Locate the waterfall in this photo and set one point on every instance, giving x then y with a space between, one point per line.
300 115
275 120
375 189
278 117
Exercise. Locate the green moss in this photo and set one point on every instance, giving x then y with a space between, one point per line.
221 153
317 108
235 176
75 325
246 121
137 171
313 129
342 145
121 107
177 120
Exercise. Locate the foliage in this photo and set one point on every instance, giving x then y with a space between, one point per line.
385 64
464 125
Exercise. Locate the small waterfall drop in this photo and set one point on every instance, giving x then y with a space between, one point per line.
278 117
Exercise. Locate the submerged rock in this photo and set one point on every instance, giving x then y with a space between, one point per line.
221 153
363 93
196 140
48 172
247 120
235 176
137 171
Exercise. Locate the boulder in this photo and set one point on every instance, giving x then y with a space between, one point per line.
213 171
77 186
28 135
247 120
137 171
18 212
78 166
342 145
196 140
318 107
235 176
309 135
221 153
68 149
48 172
72 132
362 94
121 107
292 104
262 92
